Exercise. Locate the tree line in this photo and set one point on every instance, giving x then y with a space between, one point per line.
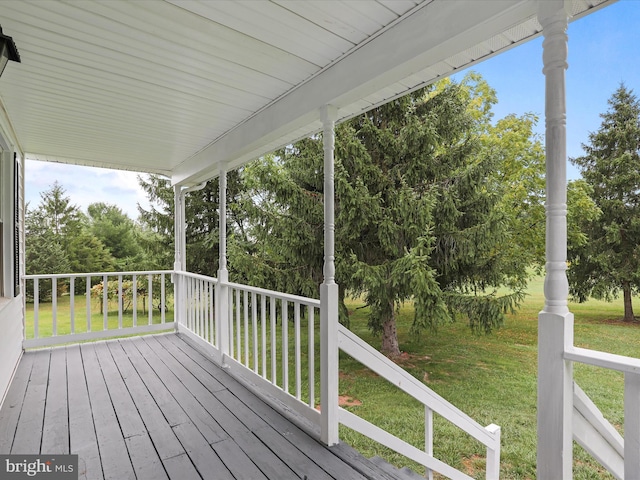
437 203
61 238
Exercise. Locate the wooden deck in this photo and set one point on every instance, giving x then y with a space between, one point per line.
156 407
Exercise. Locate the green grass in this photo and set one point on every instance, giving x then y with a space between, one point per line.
492 378
63 317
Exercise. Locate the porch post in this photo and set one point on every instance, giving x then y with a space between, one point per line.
179 228
222 289
555 322
329 293
178 263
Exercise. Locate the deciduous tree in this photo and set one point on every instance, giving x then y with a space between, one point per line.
118 233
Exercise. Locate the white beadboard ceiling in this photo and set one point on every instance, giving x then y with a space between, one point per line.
175 87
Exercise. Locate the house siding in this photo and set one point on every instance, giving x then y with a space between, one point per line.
11 300
11 312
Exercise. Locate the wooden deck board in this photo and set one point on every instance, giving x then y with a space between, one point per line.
130 421
167 444
29 429
144 458
181 467
199 416
13 403
113 450
202 384
157 407
82 433
55 432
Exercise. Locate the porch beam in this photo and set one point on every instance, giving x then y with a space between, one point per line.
555 322
427 36
329 292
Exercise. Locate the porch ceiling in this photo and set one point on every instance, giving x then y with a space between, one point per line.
177 86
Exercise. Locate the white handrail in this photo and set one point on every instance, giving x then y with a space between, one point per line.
621 457
197 276
272 293
606 360
98 274
247 308
255 348
371 358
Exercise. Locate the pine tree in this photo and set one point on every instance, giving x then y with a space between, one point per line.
201 212
418 214
609 261
58 240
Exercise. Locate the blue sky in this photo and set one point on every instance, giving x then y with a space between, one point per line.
85 185
604 50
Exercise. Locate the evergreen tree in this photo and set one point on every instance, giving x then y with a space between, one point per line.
157 222
201 212
86 253
609 261
43 255
418 213
57 240
58 215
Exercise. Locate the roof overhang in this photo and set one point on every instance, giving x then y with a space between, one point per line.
182 87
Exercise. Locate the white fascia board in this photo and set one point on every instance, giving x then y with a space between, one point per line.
139 168
425 37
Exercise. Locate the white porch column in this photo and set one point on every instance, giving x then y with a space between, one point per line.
329 292
179 229
222 290
555 322
179 258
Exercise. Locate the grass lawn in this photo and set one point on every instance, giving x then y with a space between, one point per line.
492 378
63 322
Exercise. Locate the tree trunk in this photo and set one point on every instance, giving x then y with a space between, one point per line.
628 306
390 346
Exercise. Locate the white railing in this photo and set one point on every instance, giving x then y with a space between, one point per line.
198 305
621 457
260 344
433 403
265 336
56 311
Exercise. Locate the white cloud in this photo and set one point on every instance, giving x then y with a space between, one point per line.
85 185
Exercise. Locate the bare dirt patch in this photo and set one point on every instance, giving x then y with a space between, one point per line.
348 401
408 360
472 464
344 401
